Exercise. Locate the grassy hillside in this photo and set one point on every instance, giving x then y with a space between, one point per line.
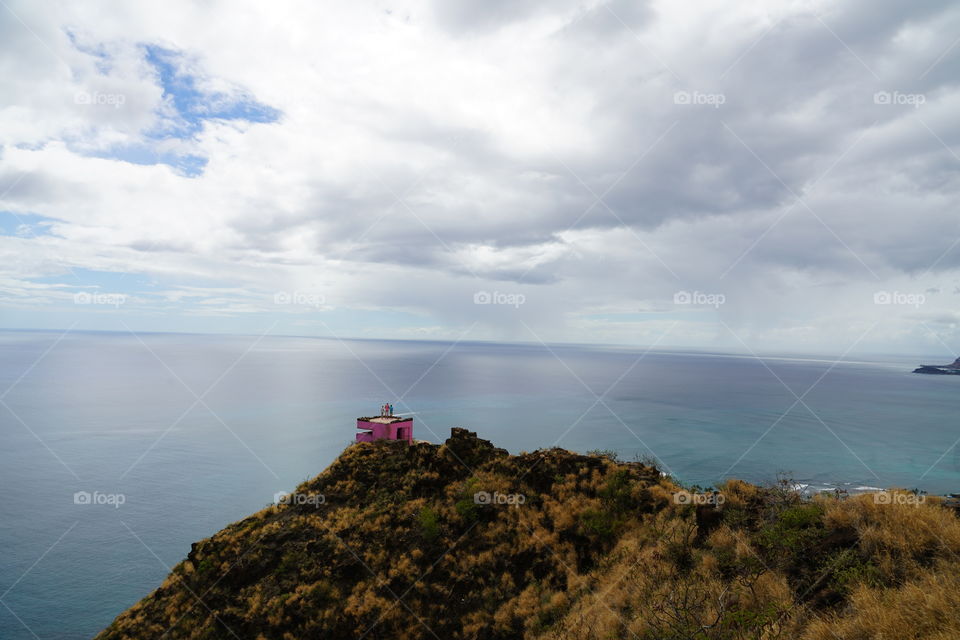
465 541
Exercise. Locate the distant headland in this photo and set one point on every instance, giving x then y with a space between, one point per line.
952 369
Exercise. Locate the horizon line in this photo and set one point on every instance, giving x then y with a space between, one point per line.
679 350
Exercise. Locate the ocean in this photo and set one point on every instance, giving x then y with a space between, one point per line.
120 450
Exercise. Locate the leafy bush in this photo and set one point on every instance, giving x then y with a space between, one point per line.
429 524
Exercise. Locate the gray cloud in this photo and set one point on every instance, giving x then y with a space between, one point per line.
737 149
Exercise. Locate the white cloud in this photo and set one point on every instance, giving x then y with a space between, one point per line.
426 151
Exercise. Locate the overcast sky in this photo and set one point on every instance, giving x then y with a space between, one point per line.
753 176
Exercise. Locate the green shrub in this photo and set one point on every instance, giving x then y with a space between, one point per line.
429 524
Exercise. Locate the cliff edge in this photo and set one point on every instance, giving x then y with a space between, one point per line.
463 540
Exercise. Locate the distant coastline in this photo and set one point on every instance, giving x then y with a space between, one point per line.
952 369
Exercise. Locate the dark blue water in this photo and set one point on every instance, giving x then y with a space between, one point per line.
108 413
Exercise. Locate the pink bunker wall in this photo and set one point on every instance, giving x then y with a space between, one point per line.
377 428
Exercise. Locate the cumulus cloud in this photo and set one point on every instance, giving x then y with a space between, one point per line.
595 157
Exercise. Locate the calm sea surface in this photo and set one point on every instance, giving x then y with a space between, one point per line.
191 433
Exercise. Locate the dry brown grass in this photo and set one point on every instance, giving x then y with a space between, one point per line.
926 608
599 550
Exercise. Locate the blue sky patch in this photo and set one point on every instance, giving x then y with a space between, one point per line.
186 164
187 107
99 52
112 281
24 225
193 105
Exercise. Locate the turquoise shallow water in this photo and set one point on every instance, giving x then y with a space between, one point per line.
112 414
